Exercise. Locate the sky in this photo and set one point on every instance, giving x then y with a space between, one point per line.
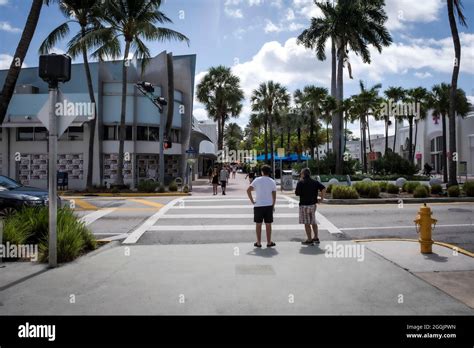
257 38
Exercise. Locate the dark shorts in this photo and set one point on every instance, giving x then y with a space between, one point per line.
223 183
261 214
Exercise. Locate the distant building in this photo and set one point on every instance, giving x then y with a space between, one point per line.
23 145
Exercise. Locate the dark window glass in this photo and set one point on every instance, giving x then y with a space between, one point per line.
154 133
25 134
75 133
41 133
129 133
109 132
142 133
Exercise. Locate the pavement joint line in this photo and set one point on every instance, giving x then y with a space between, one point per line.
138 232
275 227
211 207
149 203
443 244
84 204
90 218
325 223
395 227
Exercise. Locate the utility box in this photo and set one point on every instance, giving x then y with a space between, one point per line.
287 180
55 67
63 180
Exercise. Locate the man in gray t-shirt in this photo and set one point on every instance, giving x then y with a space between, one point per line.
223 178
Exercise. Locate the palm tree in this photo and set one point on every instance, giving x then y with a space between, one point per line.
329 106
134 20
454 6
19 56
222 96
270 98
353 25
419 97
85 13
233 135
394 95
315 97
299 116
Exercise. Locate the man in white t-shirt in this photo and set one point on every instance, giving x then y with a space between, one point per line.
264 205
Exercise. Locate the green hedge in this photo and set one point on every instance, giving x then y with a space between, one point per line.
410 186
436 189
344 192
454 191
367 189
147 186
421 191
392 188
468 188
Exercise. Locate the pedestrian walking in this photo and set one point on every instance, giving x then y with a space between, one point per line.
250 175
264 205
307 189
234 171
215 181
210 172
223 178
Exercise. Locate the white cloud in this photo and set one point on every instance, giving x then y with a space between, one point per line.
5 26
6 60
423 75
290 15
307 8
402 13
270 27
3 2
234 13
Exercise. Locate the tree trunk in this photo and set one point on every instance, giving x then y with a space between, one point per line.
337 121
368 134
170 106
272 149
395 135
364 146
19 57
311 134
345 133
327 138
299 144
333 69
122 115
410 139
445 150
452 95
266 139
288 146
416 137
92 123
386 135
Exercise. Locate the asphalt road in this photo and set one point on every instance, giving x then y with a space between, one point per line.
206 219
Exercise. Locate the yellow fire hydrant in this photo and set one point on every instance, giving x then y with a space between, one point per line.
425 221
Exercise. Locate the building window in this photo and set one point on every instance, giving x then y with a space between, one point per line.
73 134
145 133
112 132
32 133
174 136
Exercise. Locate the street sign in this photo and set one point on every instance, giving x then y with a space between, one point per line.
191 150
281 152
63 121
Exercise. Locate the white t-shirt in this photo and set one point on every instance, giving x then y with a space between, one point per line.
264 186
223 175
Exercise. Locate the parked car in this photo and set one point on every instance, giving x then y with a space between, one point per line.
14 196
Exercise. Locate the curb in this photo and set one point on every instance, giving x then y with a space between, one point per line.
446 245
124 195
396 200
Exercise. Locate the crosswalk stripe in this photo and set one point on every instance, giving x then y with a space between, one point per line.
320 218
84 204
222 200
90 218
147 202
211 207
221 216
224 228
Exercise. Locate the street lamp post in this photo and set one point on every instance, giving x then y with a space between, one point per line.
147 89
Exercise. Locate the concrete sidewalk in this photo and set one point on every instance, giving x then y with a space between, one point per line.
227 279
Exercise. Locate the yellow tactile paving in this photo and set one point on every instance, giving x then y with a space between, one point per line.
147 202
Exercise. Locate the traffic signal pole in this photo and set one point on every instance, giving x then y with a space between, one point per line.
52 183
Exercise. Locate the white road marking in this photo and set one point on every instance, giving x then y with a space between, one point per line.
137 233
211 199
325 223
220 216
212 207
224 228
396 227
90 218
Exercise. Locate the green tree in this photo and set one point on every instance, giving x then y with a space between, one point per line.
329 107
132 21
315 97
85 13
394 95
222 96
352 25
454 6
270 98
419 96
233 135
19 56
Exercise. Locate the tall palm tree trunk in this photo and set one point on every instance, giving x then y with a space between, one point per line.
266 140
272 150
416 137
337 121
19 57
333 69
299 144
386 135
122 115
93 122
445 151
364 145
311 134
452 95
327 138
410 139
368 133
395 135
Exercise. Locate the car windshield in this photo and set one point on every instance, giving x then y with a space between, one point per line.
8 183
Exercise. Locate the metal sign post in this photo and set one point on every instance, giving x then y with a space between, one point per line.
52 183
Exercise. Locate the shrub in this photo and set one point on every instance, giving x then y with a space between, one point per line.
468 188
30 226
393 163
173 187
115 190
329 188
436 189
454 191
383 186
161 189
147 186
421 191
367 189
392 188
410 186
374 190
344 192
